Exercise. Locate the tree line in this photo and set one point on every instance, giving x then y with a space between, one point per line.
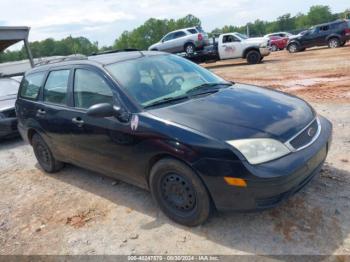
154 29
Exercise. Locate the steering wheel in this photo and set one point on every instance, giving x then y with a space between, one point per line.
174 85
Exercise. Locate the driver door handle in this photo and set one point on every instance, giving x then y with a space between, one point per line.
78 121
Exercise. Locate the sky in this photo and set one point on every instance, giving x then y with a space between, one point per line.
105 20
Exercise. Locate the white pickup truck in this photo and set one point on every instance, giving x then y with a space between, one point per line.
232 46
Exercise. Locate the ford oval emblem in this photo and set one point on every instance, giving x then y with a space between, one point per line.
311 132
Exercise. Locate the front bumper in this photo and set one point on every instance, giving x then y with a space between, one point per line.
8 127
264 51
269 183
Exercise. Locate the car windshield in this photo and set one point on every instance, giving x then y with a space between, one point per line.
153 79
8 87
242 36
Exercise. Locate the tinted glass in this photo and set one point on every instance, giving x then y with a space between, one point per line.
168 37
31 84
90 89
153 78
55 90
192 31
8 87
229 39
179 34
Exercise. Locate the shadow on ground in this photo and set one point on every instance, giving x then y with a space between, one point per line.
234 63
314 221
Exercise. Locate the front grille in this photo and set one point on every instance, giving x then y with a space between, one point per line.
306 136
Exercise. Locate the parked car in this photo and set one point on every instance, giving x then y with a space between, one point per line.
278 43
334 34
161 122
184 40
279 34
8 94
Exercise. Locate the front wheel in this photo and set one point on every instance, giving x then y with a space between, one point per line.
292 48
253 57
179 192
274 48
334 43
44 155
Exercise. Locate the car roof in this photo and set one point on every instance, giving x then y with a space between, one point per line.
98 60
333 22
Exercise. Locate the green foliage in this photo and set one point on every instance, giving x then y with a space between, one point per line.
152 31
51 47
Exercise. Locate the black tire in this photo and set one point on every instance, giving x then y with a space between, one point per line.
274 48
179 192
190 48
44 155
334 42
253 57
293 48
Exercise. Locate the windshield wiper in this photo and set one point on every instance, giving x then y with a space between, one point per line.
207 87
166 100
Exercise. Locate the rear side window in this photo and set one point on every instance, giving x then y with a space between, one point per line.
31 84
55 90
90 89
192 31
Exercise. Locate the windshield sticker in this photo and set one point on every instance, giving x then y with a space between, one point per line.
134 123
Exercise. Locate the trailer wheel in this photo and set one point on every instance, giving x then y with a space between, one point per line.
253 57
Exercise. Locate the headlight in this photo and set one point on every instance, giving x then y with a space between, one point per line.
260 150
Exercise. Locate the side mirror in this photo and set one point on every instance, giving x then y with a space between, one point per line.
101 110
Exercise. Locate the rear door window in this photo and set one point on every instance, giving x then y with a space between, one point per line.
55 90
179 34
90 89
31 84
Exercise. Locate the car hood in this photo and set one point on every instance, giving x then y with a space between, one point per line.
7 102
154 45
256 40
241 111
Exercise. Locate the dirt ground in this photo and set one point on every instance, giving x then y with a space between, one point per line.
80 212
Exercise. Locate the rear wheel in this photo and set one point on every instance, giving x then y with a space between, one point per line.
253 57
179 192
44 155
190 48
334 42
293 48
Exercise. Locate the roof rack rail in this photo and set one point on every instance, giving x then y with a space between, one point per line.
61 59
116 51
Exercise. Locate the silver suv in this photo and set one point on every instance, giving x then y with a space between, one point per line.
184 40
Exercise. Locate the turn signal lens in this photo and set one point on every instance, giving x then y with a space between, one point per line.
233 181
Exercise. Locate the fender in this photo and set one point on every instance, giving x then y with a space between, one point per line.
249 48
333 36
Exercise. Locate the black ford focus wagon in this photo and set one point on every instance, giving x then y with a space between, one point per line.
163 123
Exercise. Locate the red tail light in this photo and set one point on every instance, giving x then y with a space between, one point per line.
200 37
347 31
